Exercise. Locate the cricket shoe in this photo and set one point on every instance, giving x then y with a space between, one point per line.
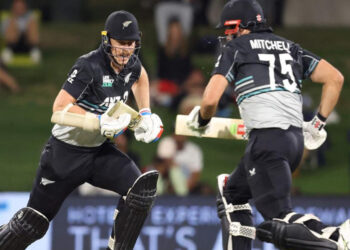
343 242
344 236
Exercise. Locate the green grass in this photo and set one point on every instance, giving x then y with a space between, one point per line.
25 118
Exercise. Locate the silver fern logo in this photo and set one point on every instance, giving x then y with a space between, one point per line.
127 78
126 24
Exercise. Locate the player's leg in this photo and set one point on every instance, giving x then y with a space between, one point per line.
234 211
297 231
57 176
269 162
117 172
25 227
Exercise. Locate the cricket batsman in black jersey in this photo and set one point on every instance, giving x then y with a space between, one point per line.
266 72
73 156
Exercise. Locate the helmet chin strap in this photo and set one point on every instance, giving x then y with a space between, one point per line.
115 63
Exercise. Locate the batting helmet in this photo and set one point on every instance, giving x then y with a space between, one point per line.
121 25
241 14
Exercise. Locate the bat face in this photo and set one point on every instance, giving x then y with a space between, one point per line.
121 108
224 128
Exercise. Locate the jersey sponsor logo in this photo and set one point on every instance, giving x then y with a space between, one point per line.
107 81
269 45
108 101
45 181
72 76
126 24
127 78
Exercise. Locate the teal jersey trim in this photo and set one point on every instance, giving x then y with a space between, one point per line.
244 80
94 105
260 91
311 67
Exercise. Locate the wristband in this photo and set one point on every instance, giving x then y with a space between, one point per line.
202 122
321 117
317 123
145 111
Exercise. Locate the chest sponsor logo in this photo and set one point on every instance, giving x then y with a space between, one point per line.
107 81
72 76
109 101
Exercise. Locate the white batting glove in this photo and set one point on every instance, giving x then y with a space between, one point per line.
314 133
150 128
112 127
193 122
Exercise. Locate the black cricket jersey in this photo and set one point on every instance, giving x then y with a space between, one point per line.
96 86
266 71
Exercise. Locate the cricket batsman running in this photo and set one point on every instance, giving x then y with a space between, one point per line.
266 72
73 156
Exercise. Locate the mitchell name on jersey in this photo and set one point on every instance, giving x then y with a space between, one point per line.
270 45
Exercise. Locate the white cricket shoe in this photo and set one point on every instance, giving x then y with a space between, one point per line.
344 236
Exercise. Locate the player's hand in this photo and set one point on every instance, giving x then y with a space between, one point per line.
314 133
112 127
193 123
150 128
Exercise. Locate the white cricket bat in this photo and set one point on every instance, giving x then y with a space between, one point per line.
90 121
224 128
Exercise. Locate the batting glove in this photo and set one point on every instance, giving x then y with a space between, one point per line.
150 128
195 123
112 127
314 133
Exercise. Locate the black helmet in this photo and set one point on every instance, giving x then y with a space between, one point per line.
122 25
241 14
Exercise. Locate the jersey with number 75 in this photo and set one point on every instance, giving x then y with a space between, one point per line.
266 71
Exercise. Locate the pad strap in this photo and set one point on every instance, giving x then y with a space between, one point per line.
328 231
64 111
305 218
111 243
236 229
301 220
232 208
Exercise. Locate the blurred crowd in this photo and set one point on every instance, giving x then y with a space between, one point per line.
19 41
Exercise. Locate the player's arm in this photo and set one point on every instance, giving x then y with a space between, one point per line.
212 94
332 81
200 116
63 99
140 90
150 127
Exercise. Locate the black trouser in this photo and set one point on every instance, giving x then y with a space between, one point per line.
63 167
264 173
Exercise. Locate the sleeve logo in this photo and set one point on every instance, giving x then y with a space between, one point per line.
72 76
